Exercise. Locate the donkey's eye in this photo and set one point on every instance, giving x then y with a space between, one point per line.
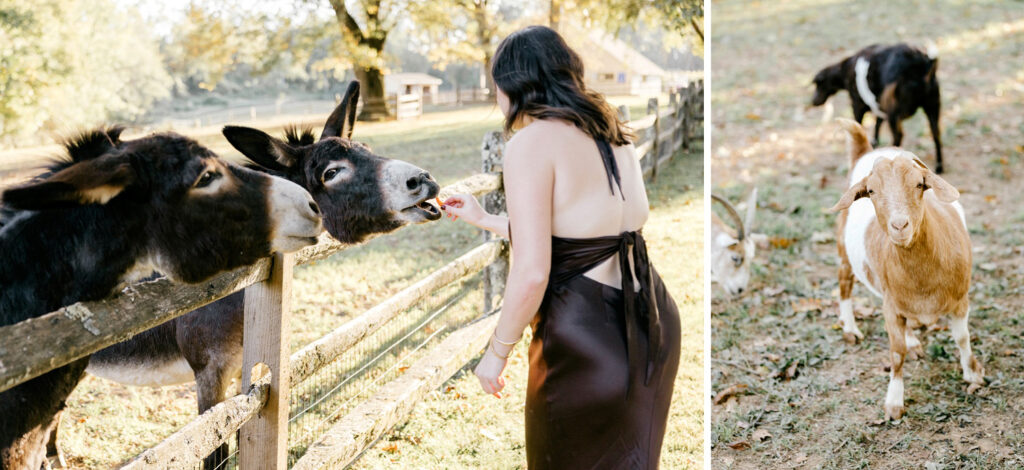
206 178
330 174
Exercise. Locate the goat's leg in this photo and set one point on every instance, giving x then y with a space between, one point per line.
878 129
895 326
974 372
211 386
931 109
914 347
851 334
897 131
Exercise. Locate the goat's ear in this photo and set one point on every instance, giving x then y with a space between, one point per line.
944 191
724 240
94 181
264 150
343 119
855 192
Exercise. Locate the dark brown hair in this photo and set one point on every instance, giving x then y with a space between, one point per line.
543 79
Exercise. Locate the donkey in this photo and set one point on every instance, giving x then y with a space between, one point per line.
116 208
360 194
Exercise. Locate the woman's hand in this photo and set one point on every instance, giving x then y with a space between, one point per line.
465 206
489 370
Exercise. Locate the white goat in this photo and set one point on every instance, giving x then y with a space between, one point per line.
902 233
732 250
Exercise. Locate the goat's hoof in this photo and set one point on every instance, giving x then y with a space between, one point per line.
915 353
852 337
893 412
973 388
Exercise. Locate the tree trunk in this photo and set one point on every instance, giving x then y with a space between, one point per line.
371 81
485 31
555 14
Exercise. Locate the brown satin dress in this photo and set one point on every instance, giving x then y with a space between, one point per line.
603 360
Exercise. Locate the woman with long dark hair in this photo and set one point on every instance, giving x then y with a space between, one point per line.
605 347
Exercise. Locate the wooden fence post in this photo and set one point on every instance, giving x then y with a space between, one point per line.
624 113
674 104
263 442
655 153
493 154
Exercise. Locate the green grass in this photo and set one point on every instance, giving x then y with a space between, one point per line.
107 424
827 416
460 427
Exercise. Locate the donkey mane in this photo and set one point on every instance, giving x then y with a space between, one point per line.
299 137
87 145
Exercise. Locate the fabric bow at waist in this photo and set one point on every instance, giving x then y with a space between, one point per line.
572 257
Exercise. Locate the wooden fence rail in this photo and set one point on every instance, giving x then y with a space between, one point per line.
261 412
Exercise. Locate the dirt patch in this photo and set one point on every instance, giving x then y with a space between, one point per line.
819 399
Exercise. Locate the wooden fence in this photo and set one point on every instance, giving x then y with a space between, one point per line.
261 412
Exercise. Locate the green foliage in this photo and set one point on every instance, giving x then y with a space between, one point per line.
65 64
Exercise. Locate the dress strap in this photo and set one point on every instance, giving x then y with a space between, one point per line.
610 167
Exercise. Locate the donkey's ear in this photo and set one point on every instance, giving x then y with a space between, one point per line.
855 192
94 181
343 119
264 150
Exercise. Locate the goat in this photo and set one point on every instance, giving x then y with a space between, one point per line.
902 233
732 250
890 81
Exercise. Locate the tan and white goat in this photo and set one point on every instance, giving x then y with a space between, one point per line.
903 235
732 250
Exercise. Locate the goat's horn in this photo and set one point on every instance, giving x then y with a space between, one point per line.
732 213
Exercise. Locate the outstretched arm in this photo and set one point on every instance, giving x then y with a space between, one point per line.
529 179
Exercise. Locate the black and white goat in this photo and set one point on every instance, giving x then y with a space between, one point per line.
891 82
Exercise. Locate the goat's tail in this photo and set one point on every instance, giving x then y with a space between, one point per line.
859 143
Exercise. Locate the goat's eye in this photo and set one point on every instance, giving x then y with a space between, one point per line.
871 191
920 185
206 178
737 260
330 174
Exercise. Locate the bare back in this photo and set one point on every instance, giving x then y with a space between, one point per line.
583 205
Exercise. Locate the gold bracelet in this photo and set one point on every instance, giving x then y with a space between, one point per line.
490 347
495 336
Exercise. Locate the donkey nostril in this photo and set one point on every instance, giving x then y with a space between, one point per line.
314 207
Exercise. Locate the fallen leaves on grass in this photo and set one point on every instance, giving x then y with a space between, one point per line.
789 370
741 444
781 242
390 448
806 305
753 116
761 435
823 237
728 392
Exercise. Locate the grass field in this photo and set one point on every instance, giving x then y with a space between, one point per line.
107 424
827 412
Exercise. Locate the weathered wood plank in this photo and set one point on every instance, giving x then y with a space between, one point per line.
321 352
35 346
263 442
344 441
83 328
187 447
642 124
